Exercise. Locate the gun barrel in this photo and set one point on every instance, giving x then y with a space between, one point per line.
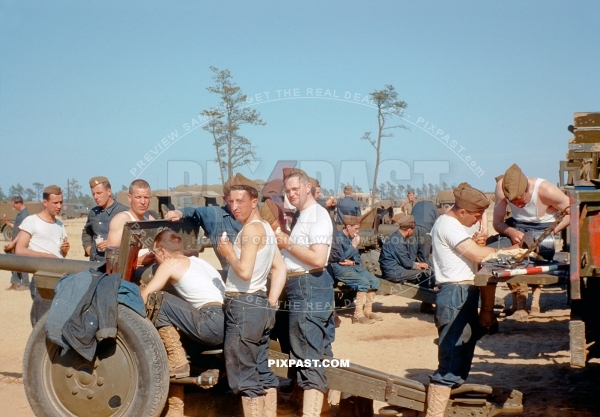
32 264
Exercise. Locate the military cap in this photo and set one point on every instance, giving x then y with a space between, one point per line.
52 189
351 220
403 219
240 180
314 182
515 183
269 211
499 177
97 180
469 198
273 187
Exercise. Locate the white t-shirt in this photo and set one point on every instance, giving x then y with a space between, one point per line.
313 227
449 265
45 237
200 284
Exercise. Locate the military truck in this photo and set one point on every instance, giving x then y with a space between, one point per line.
9 213
129 376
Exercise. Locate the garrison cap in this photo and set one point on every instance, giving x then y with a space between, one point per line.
314 182
403 219
469 198
351 220
269 211
240 180
273 187
97 180
52 189
515 183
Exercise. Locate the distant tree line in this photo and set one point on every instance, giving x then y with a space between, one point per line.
72 193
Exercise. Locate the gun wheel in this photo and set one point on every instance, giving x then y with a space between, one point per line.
128 377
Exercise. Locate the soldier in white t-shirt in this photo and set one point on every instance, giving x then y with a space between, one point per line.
455 257
44 236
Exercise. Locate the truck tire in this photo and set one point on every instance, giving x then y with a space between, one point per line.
128 377
7 232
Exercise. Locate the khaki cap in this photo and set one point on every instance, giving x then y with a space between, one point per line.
515 183
97 180
403 219
240 180
351 220
469 198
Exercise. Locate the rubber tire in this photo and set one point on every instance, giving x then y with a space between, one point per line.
139 337
7 232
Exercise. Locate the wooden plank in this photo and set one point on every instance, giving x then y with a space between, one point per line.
587 136
577 343
586 119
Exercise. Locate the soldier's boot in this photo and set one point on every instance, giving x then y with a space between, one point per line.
426 308
513 307
253 407
437 400
313 402
521 313
179 366
487 318
536 291
270 403
175 401
359 315
369 307
326 408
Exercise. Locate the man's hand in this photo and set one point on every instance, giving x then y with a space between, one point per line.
147 259
356 240
88 250
173 215
10 247
515 235
346 262
283 240
102 245
422 265
64 248
224 247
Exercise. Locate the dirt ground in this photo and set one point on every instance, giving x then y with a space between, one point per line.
532 357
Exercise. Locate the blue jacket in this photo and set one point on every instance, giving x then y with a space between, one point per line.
214 221
397 255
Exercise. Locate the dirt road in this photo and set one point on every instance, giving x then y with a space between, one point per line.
532 357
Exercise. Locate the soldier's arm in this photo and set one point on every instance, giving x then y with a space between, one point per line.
21 247
473 251
553 197
249 239
115 229
278 277
86 236
157 283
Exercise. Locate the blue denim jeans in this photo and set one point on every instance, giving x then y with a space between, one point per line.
358 279
205 325
248 320
457 322
310 304
19 278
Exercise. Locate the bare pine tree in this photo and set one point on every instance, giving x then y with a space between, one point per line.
232 149
388 105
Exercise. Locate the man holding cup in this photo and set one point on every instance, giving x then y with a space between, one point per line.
95 231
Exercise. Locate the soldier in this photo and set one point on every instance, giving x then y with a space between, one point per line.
249 313
43 235
425 214
350 271
534 203
18 280
197 312
347 206
309 288
454 257
213 220
410 203
139 197
95 232
399 260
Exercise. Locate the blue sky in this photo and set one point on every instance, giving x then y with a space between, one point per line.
92 88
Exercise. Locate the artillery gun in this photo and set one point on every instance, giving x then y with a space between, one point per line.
129 376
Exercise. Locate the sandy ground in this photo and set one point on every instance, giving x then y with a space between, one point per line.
532 357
